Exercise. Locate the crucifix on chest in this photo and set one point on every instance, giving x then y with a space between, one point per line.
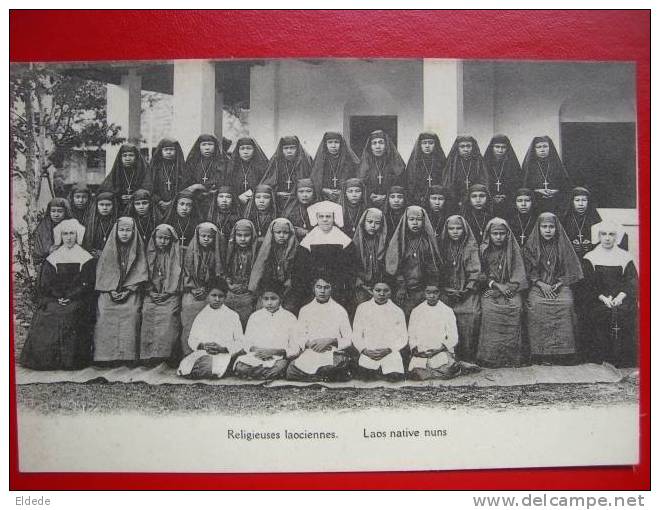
522 238
288 183
498 184
429 179
168 184
380 179
334 181
204 179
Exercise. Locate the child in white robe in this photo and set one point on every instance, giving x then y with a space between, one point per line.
379 334
323 335
433 335
216 337
269 338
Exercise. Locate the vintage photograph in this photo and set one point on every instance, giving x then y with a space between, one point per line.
324 265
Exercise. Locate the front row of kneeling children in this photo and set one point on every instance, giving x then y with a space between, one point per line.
321 345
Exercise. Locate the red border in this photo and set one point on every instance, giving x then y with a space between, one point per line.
569 35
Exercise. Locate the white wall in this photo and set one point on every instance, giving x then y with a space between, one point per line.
291 97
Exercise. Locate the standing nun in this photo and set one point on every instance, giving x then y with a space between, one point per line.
465 167
202 264
246 169
59 334
500 336
413 258
120 275
381 167
168 172
504 173
552 268
544 172
145 213
371 242
275 260
161 321
462 268
242 251
206 164
611 283
425 167
335 162
289 163
129 173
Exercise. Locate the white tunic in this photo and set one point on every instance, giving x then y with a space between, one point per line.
431 327
222 326
321 320
379 327
267 330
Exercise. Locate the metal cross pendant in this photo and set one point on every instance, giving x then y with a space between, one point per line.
429 179
580 236
288 183
545 184
245 184
522 238
169 184
183 239
498 184
615 330
204 179
334 182
128 190
467 183
380 179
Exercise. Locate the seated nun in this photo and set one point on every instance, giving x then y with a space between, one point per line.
269 337
379 334
216 337
323 335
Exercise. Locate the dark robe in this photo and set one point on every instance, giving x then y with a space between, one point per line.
379 174
352 213
522 225
210 171
59 335
224 219
99 228
613 331
80 213
243 176
296 212
461 173
424 170
145 223
337 263
168 176
43 234
184 227
504 175
283 174
122 181
548 173
331 171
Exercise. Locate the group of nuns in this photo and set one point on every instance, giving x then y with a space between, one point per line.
522 257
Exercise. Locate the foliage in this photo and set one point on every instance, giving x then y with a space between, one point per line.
51 114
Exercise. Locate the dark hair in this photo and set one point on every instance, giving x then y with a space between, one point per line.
218 283
271 285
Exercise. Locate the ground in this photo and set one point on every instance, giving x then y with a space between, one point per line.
102 397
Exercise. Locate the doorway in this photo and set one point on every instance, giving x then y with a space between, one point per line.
361 125
602 157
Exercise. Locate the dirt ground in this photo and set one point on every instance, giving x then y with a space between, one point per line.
103 397
140 397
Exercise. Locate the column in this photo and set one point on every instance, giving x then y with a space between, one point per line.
443 98
264 105
124 105
194 102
